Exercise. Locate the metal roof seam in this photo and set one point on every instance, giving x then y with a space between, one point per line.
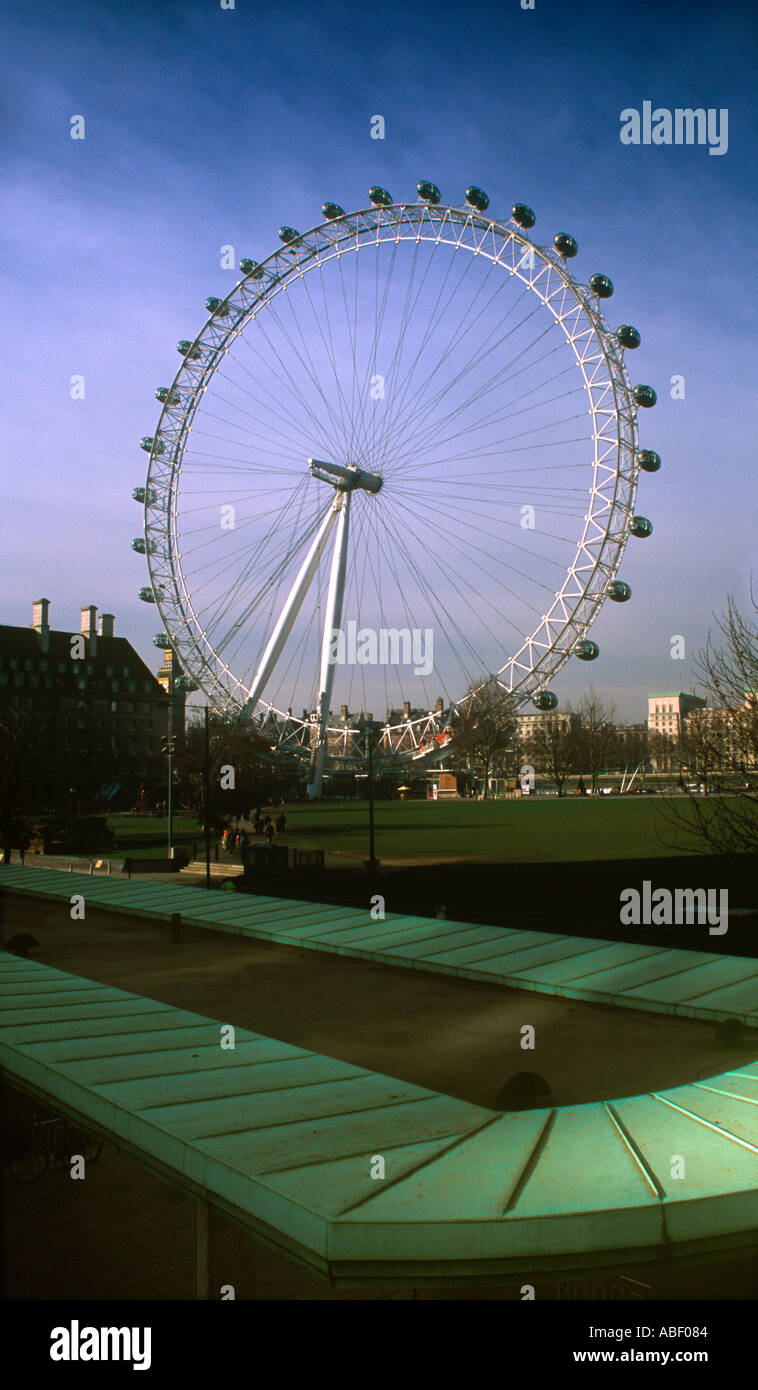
262 1173
646 1168
708 1124
530 1164
423 1163
250 1095
733 1095
309 1119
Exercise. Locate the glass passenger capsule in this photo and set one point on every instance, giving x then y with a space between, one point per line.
619 591
162 640
251 268
587 651
188 350
523 215
477 198
151 444
601 286
565 244
288 235
143 547
380 197
641 527
628 336
428 192
145 495
331 211
648 460
645 396
544 700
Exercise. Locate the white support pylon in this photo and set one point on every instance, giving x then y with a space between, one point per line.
291 609
332 621
344 480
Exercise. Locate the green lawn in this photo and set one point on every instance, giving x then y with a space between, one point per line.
542 829
546 828
146 837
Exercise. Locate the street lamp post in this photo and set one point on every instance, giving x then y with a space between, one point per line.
168 748
171 768
207 800
372 864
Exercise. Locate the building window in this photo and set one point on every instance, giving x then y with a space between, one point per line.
126 671
109 671
61 668
13 663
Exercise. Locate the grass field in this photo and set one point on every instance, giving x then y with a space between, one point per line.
543 829
516 831
146 837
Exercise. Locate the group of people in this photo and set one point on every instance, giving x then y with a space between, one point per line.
233 842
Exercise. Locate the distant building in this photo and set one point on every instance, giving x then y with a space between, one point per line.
667 714
527 725
724 739
631 741
85 714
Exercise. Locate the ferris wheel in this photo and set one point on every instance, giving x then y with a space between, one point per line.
399 459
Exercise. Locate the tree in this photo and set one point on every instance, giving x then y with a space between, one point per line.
595 736
664 751
241 772
725 735
552 748
703 744
488 726
632 748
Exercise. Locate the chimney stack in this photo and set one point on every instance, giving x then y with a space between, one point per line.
89 621
406 709
41 614
88 626
41 621
106 624
438 708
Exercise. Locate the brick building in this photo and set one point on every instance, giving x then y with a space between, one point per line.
82 717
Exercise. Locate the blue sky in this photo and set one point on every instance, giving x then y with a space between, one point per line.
207 127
